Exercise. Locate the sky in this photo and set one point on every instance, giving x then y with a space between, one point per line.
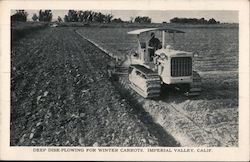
157 16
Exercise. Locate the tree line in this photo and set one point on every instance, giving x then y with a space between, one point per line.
92 16
193 21
77 16
21 15
87 16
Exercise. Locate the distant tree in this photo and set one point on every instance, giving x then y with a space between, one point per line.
99 17
66 19
174 20
80 16
193 21
90 16
117 20
20 15
137 19
87 16
108 18
72 16
59 19
202 21
84 16
34 17
212 21
45 15
144 19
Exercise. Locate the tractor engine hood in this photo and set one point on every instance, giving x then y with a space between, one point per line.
173 53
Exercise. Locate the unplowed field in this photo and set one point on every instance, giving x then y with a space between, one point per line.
61 96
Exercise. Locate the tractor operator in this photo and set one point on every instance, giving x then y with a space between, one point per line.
154 44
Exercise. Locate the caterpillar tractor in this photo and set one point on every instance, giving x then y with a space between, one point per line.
155 63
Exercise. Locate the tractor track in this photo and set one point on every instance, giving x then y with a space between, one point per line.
190 119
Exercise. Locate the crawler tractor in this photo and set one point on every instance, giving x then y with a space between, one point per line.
151 67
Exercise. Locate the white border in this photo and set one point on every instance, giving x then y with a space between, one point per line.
218 154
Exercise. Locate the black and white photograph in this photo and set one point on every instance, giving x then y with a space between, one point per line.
133 80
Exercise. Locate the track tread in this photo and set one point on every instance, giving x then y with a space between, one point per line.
195 87
151 81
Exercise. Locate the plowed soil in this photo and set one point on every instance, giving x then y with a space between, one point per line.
61 96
